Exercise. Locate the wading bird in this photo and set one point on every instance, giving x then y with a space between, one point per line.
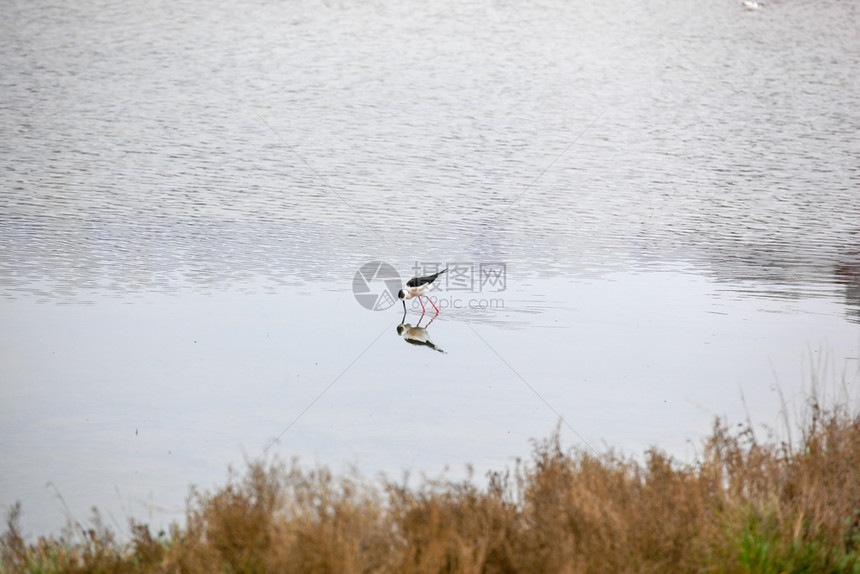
419 287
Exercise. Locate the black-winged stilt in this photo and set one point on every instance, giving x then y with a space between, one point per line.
419 287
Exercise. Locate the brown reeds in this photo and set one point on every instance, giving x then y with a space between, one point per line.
744 506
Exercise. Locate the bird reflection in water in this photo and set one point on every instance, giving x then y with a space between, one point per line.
417 335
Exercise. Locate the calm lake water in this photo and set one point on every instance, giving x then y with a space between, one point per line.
650 209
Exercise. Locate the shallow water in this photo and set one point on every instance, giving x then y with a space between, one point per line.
189 190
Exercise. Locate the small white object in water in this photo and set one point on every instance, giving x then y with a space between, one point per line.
751 4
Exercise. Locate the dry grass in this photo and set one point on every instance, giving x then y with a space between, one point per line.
744 506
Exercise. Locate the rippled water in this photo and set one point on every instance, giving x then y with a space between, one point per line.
189 189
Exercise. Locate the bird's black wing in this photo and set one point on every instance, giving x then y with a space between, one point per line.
418 281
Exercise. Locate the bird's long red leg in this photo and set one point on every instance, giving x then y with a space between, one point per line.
434 305
422 303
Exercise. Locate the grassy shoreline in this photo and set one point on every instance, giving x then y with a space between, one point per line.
744 505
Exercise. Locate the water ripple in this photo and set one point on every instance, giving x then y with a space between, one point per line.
136 159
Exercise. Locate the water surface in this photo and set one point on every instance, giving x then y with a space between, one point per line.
189 190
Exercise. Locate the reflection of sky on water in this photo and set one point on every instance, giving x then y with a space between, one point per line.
146 397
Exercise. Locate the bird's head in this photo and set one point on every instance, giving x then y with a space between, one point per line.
401 295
